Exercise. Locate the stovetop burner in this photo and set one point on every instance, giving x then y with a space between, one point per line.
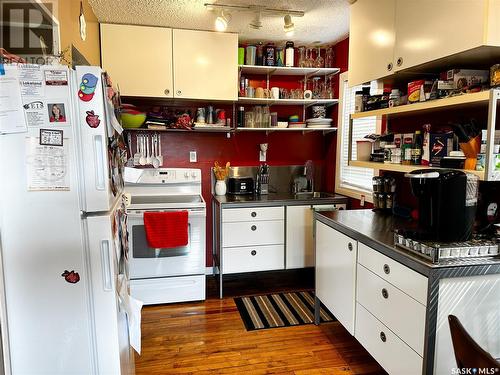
437 252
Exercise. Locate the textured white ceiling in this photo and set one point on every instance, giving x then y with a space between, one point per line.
325 21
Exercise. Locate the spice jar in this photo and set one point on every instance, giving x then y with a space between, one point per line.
388 150
378 183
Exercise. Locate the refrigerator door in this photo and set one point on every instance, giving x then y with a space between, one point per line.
108 254
44 266
101 147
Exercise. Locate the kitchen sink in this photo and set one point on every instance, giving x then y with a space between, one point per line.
313 195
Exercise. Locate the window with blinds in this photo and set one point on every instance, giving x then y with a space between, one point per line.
353 178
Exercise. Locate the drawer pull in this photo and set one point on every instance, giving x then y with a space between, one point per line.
167 91
382 337
399 62
387 269
385 293
254 252
253 227
349 246
389 67
253 214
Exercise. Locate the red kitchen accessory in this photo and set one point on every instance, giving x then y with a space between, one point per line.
166 230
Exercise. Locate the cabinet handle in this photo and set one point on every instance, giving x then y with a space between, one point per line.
387 269
254 252
383 337
385 293
253 227
167 91
178 92
254 214
349 246
389 67
399 62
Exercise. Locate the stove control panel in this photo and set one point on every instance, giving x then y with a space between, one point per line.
170 176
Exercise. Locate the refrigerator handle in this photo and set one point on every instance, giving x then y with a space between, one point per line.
106 266
99 162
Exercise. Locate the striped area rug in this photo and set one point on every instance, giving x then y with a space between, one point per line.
279 310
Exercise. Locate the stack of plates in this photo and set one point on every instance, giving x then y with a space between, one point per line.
296 125
319 122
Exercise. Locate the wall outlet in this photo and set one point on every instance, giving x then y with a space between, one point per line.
362 201
192 157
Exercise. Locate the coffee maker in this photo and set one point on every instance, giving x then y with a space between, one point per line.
447 203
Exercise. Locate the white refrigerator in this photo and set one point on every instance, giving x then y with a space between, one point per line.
63 232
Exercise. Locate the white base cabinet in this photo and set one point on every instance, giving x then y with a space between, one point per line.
378 300
336 273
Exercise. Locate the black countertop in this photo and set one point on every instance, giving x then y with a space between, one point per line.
275 199
376 231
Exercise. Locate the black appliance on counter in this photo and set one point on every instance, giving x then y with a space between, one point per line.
447 202
240 185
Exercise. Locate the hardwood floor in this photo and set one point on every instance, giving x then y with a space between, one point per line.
210 338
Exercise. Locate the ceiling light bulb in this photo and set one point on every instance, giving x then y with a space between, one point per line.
289 26
221 22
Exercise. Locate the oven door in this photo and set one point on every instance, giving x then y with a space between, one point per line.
147 262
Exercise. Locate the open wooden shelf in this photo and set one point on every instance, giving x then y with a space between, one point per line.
306 102
287 71
459 100
222 129
402 168
276 129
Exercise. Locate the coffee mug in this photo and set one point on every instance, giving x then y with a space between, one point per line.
259 93
275 92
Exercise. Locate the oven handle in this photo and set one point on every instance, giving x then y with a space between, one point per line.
140 213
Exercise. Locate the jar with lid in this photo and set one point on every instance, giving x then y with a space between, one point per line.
389 184
289 54
388 150
389 201
378 183
358 101
394 98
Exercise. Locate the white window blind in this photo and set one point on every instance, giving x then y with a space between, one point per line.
353 178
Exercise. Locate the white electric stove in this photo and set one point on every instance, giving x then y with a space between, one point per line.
174 274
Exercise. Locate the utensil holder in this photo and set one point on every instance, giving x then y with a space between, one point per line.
470 150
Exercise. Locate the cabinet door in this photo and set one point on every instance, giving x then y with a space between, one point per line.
138 58
205 65
371 40
299 237
427 30
336 273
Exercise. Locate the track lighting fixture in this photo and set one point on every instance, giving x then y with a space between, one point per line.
289 26
256 22
222 21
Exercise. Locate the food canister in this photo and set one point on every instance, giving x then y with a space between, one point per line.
270 55
289 54
250 57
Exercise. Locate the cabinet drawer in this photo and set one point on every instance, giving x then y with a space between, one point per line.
409 281
392 354
401 313
252 214
253 258
253 233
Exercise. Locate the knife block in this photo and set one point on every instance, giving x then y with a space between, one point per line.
470 150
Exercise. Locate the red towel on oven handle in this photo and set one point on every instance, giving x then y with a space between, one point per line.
166 229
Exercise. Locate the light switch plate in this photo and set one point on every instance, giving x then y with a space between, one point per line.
192 157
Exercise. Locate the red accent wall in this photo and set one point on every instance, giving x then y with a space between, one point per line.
243 148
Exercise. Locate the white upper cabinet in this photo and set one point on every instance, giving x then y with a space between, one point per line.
427 30
371 40
205 65
139 59
387 36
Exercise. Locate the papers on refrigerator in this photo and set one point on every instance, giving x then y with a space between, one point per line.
47 166
11 110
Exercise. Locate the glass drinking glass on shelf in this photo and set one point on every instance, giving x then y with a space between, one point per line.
249 119
316 88
328 87
329 58
319 62
257 113
309 58
284 93
302 57
266 117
